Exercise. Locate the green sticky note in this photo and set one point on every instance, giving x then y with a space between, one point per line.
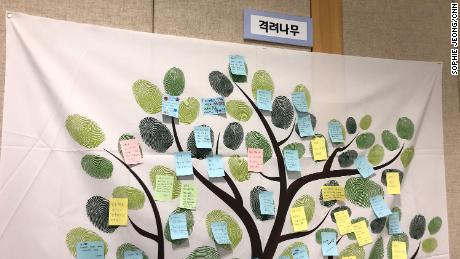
188 196
164 187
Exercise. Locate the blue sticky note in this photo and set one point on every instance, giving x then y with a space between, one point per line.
237 65
299 101
178 226
220 232
393 223
284 257
214 105
90 250
215 166
202 136
291 160
329 244
363 166
305 126
133 254
183 163
266 203
379 206
335 132
299 253
170 106
264 100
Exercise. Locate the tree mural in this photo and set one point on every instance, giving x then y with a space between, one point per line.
159 137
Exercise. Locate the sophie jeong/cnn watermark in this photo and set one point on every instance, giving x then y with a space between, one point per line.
454 38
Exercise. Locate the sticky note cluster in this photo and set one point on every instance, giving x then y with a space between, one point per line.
299 101
220 232
118 212
291 160
362 233
215 166
298 219
188 196
364 167
393 183
342 219
255 159
183 163
164 187
213 106
131 151
90 250
333 193
264 100
237 65
202 136
319 149
170 106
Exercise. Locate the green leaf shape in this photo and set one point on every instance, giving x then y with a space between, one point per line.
234 231
239 168
190 222
337 209
383 178
319 231
97 210
261 81
406 156
255 205
189 110
127 136
233 135
97 166
239 110
378 224
220 83
376 154
365 140
282 112
352 235
347 158
417 227
304 89
308 204
365 122
199 153
239 78
128 247
435 225
204 252
254 139
136 198
397 237
377 252
148 96
155 134
328 203
79 234
358 190
405 128
351 126
429 245
344 132
174 81
296 146
287 250
84 131
313 124
353 250
163 170
389 140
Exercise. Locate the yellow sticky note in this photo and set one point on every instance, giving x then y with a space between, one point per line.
398 250
164 187
298 219
118 212
188 196
362 233
393 185
349 257
333 193
318 146
343 222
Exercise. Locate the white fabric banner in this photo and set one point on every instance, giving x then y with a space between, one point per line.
74 90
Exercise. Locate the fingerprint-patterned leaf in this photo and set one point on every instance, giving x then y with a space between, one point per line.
405 128
282 112
136 197
204 252
319 231
239 110
389 140
220 83
256 140
429 245
129 247
127 136
378 224
199 153
406 156
365 122
398 237
190 223
365 140
234 231
288 250
353 250
308 203
417 227
296 146
352 235
148 96
261 81
233 135
84 131
337 209
351 125
255 205
347 158
383 178
97 166
188 110
376 154
163 170
328 203
97 209
377 252
77 235
435 225
174 81
358 190
155 134
304 89
239 168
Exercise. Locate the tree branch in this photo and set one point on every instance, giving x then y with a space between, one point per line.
289 136
416 252
142 231
330 160
290 236
271 178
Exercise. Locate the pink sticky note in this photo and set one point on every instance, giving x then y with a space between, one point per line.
255 159
131 152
